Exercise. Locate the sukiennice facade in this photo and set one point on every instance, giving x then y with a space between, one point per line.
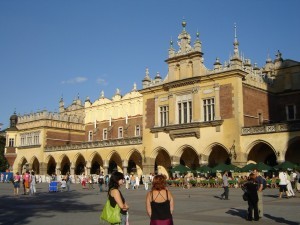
233 113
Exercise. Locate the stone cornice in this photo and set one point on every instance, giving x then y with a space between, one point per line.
184 56
97 144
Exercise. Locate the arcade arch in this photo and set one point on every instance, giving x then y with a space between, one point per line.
115 163
218 155
189 157
96 164
23 166
65 165
35 165
162 162
262 152
293 150
51 165
80 165
135 163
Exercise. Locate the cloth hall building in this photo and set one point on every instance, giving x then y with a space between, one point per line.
233 113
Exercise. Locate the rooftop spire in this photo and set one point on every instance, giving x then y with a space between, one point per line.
235 44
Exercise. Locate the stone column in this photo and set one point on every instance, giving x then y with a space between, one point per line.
148 165
43 168
125 166
72 168
175 160
105 166
57 170
87 167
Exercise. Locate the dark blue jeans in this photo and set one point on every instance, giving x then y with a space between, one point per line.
226 192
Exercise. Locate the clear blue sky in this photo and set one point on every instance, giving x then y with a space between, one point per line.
55 48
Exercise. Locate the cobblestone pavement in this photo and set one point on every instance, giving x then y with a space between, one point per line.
192 206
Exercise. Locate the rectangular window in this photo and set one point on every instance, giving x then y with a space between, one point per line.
36 139
11 142
23 141
120 132
90 137
164 116
137 130
185 112
105 134
29 140
209 109
291 112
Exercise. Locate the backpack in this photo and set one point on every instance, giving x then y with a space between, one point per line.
100 180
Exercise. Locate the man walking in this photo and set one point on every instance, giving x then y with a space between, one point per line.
101 182
225 186
283 183
259 181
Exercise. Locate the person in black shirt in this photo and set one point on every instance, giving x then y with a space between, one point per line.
251 188
160 202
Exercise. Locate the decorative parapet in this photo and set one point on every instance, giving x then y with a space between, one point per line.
45 115
271 128
97 144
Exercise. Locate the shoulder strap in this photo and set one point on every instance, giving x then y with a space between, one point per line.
167 194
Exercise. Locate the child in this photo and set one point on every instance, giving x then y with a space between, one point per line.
63 184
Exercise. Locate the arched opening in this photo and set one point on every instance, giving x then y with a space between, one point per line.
80 165
112 167
65 165
135 163
24 166
96 165
162 163
217 156
115 163
51 166
189 158
262 152
293 152
95 168
36 166
131 167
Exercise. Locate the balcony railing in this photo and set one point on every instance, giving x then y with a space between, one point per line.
97 144
271 128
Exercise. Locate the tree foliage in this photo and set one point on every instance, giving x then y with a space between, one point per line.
3 161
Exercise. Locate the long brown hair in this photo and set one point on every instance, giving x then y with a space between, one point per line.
159 182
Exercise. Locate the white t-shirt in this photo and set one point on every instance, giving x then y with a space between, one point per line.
283 178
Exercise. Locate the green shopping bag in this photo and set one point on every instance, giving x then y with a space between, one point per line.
110 214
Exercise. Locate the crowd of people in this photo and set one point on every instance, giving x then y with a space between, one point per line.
159 200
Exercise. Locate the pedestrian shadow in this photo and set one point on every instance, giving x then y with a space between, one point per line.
271 196
281 220
218 196
237 212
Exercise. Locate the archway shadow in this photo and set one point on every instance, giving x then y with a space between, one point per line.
281 220
242 213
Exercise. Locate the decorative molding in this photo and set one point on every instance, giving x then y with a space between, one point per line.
194 132
178 127
271 128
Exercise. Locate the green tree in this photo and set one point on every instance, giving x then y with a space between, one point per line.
3 161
